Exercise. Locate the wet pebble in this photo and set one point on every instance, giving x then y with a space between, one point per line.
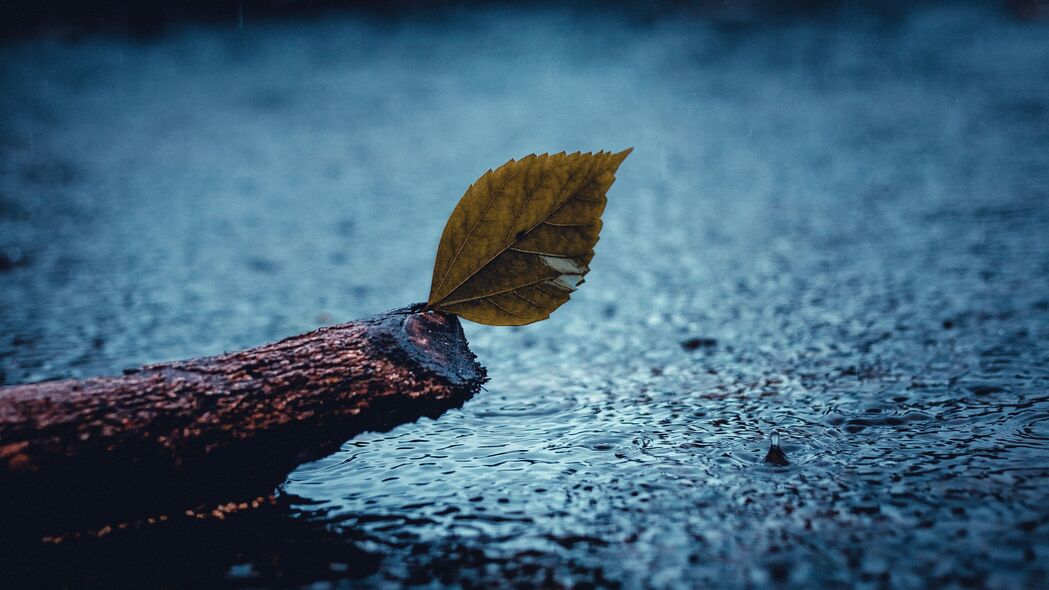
697 343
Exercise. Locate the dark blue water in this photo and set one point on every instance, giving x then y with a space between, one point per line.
836 229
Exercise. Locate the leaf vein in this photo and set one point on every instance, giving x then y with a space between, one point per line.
533 303
469 233
538 253
477 297
528 198
493 302
552 224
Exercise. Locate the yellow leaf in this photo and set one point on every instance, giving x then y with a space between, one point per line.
519 241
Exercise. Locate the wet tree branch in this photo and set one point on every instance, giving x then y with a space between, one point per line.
176 435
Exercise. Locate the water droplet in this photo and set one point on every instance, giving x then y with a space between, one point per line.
776 456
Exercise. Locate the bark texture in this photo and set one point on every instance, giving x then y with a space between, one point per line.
172 436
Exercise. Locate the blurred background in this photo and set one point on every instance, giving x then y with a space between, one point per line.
833 226
151 17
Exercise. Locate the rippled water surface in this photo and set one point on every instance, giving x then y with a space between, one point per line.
835 229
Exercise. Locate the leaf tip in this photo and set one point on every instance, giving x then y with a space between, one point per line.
622 155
